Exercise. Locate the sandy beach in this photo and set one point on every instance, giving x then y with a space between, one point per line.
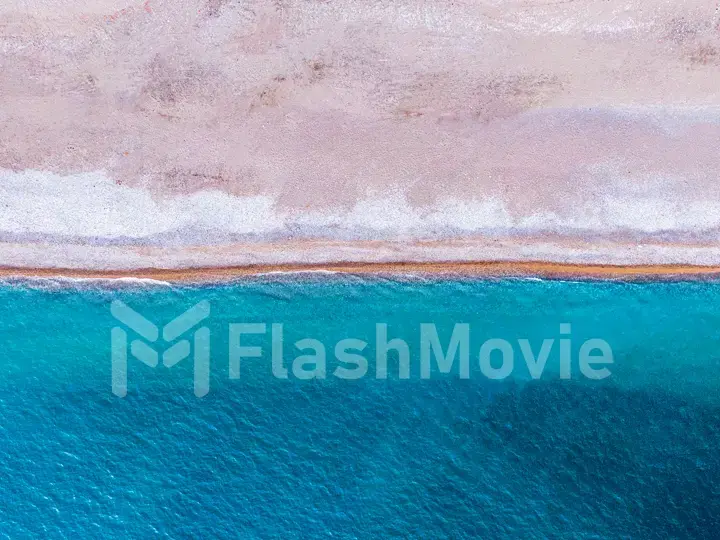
212 134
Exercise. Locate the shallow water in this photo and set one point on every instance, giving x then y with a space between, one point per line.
632 455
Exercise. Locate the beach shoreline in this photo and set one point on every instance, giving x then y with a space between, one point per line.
468 269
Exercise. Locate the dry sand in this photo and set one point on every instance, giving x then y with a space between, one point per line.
201 133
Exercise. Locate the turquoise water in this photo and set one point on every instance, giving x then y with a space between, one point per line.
634 455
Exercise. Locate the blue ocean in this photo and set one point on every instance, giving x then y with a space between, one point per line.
632 454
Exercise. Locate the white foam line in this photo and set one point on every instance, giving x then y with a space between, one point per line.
291 272
68 282
136 281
